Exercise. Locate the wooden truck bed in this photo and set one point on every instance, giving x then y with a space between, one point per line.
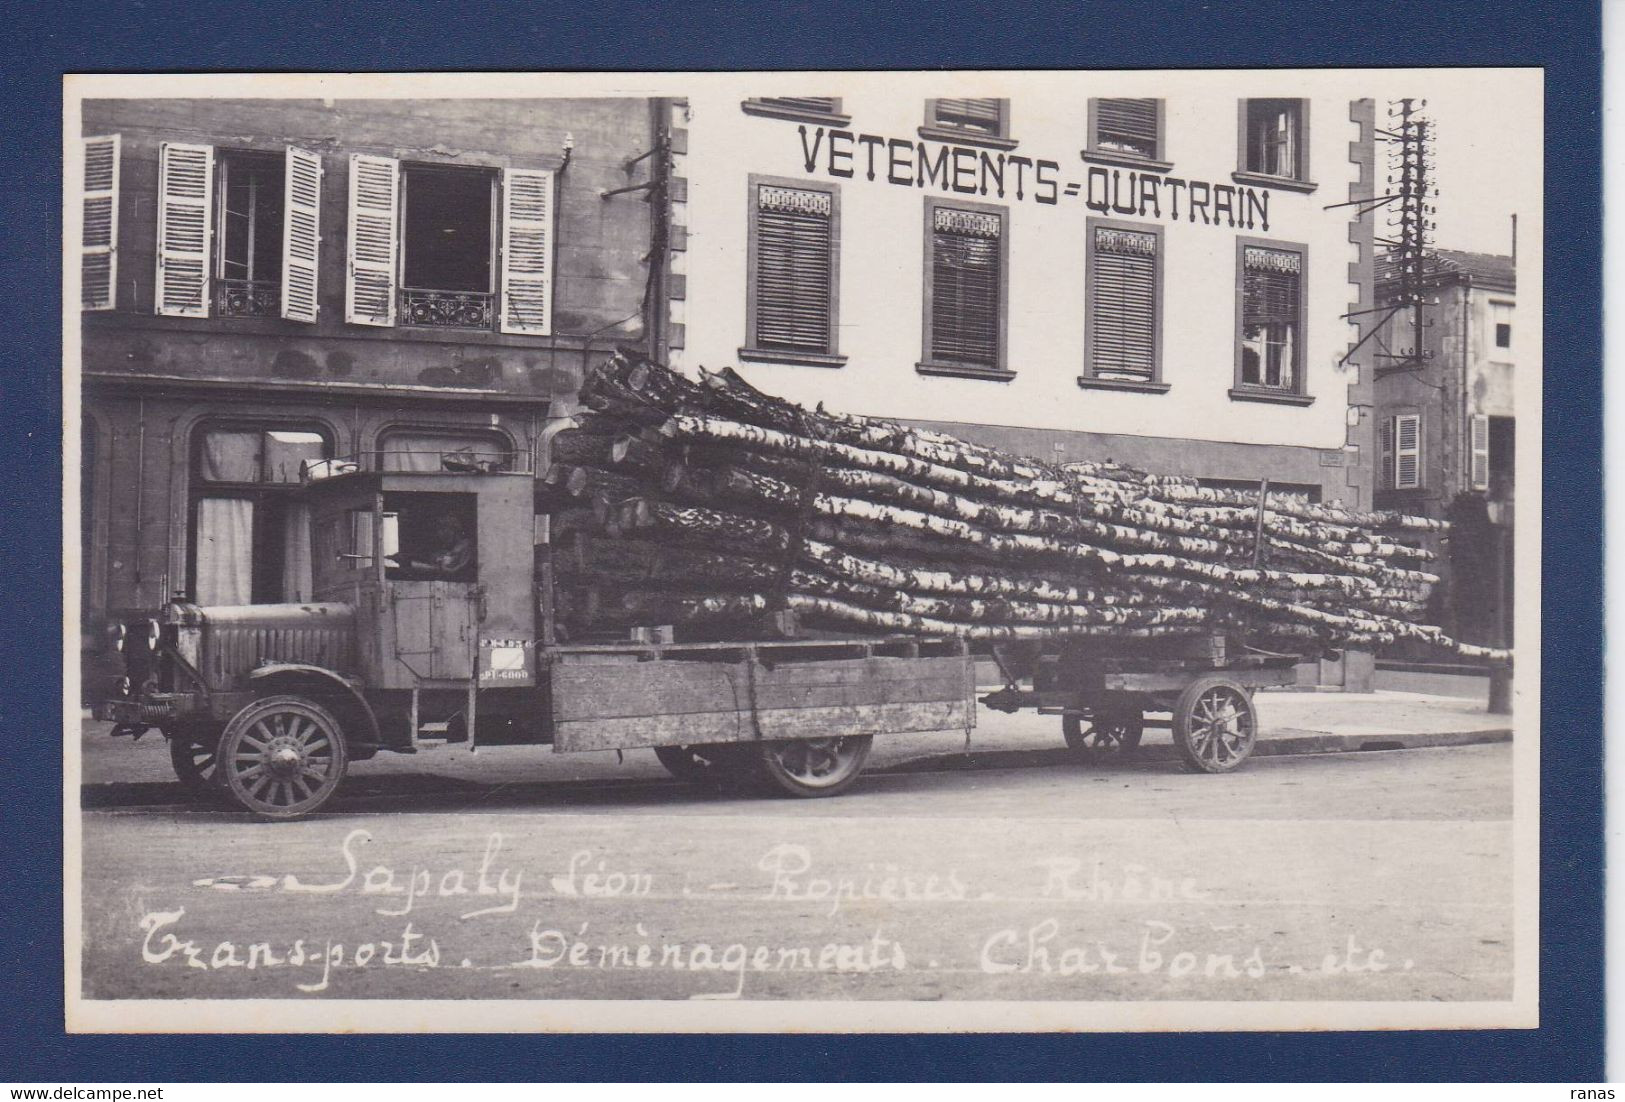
627 695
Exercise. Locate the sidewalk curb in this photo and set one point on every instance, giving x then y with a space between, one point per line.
1292 742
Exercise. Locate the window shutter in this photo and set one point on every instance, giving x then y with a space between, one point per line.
1407 451
794 269
1387 449
369 292
98 245
185 225
1129 124
527 251
1271 281
973 114
1479 430
965 287
301 233
1123 305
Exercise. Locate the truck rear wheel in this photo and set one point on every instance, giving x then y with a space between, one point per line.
810 768
282 757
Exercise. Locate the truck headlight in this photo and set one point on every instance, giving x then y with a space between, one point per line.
117 631
153 632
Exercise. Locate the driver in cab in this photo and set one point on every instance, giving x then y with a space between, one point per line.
449 552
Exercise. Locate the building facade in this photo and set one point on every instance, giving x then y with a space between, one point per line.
1174 284
270 282
1446 426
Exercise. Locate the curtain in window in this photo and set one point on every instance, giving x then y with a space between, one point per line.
408 451
296 577
286 451
1127 125
1271 305
225 551
231 457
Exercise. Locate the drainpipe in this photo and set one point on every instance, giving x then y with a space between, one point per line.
1463 456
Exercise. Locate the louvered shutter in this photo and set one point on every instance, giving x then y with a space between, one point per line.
794 269
301 233
1479 431
185 225
1127 124
973 114
369 292
1123 305
1407 451
966 285
527 251
98 243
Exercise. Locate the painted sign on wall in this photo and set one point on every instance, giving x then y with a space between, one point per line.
906 162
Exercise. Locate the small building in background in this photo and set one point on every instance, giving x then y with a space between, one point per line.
1446 427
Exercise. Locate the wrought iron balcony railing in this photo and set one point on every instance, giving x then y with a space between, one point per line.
447 309
247 298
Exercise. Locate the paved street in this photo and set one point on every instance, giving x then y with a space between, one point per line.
1013 873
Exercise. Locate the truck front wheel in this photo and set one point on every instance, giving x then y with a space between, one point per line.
282 757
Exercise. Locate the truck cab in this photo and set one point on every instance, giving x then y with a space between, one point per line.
423 610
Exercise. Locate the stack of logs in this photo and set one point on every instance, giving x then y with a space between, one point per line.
711 505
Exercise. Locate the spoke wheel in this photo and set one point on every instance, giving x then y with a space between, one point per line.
282 757
813 767
712 764
1215 725
192 753
1110 732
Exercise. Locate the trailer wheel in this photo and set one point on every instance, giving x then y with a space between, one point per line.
1215 725
812 767
712 764
282 757
192 754
1117 731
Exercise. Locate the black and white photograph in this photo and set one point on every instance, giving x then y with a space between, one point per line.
842 551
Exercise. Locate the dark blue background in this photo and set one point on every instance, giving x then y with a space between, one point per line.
49 40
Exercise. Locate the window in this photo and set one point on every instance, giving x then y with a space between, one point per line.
1126 131
794 266
819 109
969 121
1401 447
966 264
437 536
1123 317
259 213
248 271
98 256
250 532
1502 457
1274 143
1501 316
435 450
447 247
423 246
1270 322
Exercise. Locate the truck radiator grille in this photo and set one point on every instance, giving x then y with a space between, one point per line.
231 652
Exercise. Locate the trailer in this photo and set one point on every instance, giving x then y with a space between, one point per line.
431 619
1107 695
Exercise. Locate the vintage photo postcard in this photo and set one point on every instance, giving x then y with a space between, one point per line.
803 551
